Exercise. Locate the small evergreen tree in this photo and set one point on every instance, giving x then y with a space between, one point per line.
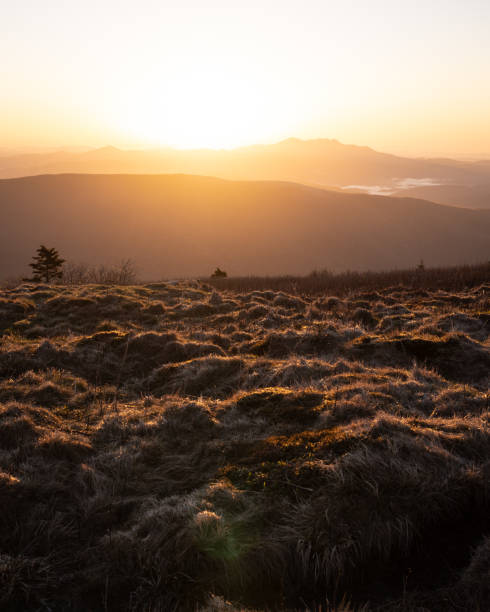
218 273
46 265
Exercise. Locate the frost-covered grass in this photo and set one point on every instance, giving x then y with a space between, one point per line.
182 447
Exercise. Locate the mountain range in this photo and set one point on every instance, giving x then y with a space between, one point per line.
320 163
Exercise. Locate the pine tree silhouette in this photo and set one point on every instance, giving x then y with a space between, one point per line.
218 273
46 265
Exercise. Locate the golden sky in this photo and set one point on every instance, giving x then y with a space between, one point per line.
409 77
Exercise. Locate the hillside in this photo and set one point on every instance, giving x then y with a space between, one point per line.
171 447
177 225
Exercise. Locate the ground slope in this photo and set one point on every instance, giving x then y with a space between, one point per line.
171 447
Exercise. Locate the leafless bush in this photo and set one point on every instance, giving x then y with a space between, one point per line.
123 273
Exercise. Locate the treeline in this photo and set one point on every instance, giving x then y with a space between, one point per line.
48 267
453 278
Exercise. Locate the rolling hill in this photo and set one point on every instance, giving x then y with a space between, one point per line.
179 225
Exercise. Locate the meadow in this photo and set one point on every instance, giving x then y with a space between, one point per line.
261 444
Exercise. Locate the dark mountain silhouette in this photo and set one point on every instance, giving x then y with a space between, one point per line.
178 225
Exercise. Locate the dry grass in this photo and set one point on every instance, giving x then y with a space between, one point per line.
182 447
456 278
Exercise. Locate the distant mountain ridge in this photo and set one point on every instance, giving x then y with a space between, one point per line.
320 162
180 225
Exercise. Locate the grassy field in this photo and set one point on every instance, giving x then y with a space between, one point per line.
454 278
245 446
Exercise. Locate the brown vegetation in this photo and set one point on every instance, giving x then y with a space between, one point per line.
249 445
453 278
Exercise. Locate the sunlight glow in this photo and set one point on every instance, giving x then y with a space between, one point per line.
197 109
389 74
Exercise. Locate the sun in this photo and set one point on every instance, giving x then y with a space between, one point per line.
196 109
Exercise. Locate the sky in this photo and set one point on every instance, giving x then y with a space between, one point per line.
408 77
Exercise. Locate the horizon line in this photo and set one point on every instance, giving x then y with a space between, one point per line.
13 151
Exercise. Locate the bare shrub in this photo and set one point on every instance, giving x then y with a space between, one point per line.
123 273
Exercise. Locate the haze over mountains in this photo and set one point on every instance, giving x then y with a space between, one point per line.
178 225
321 163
